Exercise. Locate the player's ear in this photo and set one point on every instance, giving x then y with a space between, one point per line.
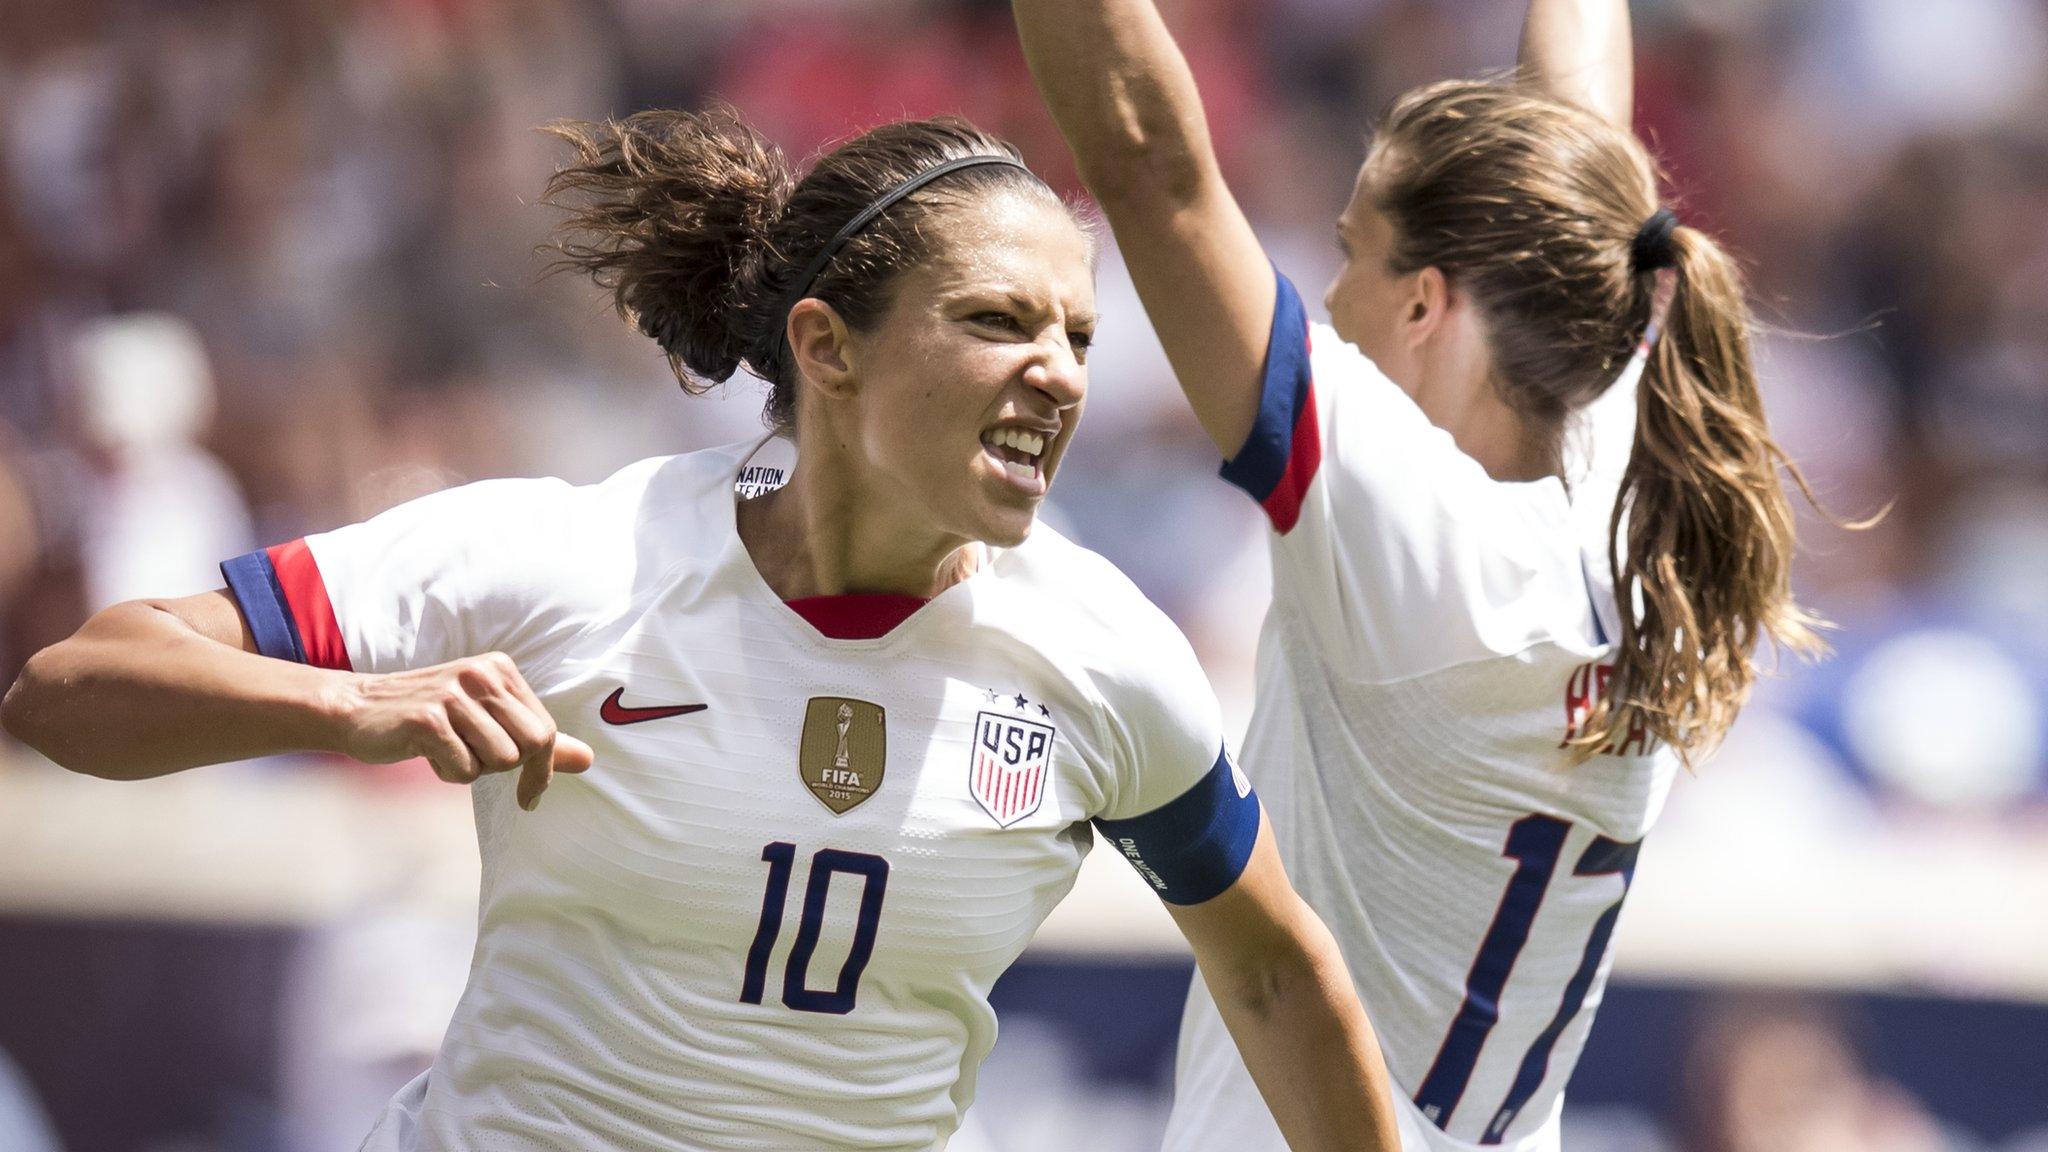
1425 305
820 343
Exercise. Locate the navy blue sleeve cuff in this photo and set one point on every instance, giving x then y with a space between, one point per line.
252 580
1283 394
1194 847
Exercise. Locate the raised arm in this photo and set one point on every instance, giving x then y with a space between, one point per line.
1283 991
1123 96
1580 51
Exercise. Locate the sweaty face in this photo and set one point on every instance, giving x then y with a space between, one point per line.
971 384
1367 298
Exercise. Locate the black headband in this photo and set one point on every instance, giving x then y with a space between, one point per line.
1651 248
770 347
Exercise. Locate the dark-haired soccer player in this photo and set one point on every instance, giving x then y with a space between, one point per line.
849 736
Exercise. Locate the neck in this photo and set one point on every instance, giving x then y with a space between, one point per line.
1460 396
1459 391
1508 445
830 531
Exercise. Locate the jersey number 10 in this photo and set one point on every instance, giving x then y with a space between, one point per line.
825 864
1535 844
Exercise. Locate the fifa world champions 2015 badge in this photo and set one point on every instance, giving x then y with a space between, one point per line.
845 749
1008 764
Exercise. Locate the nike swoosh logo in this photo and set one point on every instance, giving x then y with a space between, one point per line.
613 712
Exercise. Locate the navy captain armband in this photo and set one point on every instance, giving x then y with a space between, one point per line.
1193 847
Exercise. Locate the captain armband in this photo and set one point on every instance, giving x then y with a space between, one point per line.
1195 846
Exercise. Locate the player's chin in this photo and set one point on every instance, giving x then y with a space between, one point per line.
1007 502
1006 523
1003 517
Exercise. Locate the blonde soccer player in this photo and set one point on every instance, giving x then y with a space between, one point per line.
836 750
1489 646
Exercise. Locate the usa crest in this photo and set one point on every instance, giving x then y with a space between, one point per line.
1008 767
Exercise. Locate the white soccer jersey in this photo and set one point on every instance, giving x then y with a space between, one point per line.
1434 635
770 915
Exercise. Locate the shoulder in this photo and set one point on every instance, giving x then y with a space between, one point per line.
534 500
1334 359
1081 611
679 500
691 485
519 565
518 519
1096 607
1409 557
1161 729
1368 412
543 538
677 504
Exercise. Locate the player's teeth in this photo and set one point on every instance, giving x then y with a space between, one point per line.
1020 471
1030 443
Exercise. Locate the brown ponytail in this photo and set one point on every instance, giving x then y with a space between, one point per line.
699 228
1534 207
1703 528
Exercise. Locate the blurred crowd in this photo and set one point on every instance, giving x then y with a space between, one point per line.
269 266
266 268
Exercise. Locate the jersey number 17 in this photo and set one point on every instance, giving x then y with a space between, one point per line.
1535 843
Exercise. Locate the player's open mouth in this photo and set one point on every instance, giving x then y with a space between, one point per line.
1020 452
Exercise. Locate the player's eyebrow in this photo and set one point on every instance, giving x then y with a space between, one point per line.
1022 300
1026 302
988 294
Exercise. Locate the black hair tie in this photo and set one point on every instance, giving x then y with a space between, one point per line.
769 349
1652 248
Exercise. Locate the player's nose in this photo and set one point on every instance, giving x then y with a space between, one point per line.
1058 374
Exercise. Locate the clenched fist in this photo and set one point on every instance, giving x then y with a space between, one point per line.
468 717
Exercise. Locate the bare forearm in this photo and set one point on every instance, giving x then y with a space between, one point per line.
1121 93
1581 51
137 693
1124 98
1311 1050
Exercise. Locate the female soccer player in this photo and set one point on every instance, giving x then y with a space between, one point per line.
1484 657
837 746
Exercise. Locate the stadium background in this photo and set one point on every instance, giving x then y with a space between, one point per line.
266 267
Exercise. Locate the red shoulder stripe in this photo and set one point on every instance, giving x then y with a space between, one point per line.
306 592
1283 503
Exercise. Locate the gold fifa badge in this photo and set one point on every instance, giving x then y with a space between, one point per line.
845 748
